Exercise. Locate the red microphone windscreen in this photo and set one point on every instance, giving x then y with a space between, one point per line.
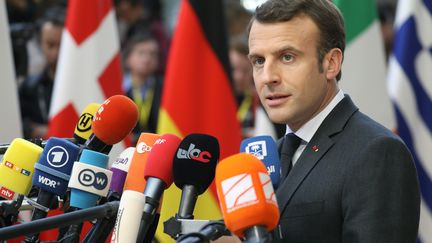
160 160
115 119
246 194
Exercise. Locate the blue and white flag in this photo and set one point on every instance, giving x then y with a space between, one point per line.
410 88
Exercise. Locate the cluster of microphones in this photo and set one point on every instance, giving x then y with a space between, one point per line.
122 199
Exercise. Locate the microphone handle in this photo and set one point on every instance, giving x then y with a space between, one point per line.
188 200
153 192
257 234
45 199
103 227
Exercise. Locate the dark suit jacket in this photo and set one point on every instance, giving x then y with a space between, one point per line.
354 182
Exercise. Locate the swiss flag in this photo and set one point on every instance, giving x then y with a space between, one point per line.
88 70
89 67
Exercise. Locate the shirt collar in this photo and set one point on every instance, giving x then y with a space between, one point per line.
307 131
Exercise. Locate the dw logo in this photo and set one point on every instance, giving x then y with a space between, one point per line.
57 156
258 149
89 178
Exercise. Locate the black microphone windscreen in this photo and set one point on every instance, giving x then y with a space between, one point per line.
195 161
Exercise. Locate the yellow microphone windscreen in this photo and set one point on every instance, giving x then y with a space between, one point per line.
83 129
17 167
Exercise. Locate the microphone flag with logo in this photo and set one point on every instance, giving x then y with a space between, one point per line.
89 179
159 176
52 174
265 149
17 167
132 202
194 168
83 128
119 169
135 179
197 95
246 195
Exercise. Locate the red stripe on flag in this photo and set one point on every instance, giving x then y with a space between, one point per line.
197 92
84 17
63 123
111 78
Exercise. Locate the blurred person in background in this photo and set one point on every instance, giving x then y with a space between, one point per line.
35 92
244 88
141 81
140 16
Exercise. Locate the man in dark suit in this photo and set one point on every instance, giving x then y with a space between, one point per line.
347 179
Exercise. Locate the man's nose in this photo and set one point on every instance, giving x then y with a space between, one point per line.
271 74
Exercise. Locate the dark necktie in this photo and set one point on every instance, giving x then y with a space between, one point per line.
289 146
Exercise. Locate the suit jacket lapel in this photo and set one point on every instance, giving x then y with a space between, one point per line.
320 143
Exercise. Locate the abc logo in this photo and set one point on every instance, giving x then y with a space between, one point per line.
98 180
84 122
57 156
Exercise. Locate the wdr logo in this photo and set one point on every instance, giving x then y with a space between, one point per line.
238 192
57 156
89 178
48 182
258 149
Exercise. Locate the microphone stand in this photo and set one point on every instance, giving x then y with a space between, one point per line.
107 210
102 228
211 231
9 211
257 234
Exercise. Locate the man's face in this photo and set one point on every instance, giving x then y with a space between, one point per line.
143 60
50 42
241 71
286 70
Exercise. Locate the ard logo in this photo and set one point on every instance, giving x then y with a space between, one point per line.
84 122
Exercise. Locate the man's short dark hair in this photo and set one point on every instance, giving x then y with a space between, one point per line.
322 12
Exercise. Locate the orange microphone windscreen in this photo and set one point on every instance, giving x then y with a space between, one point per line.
246 194
115 119
135 179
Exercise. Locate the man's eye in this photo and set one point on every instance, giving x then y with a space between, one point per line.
287 58
258 61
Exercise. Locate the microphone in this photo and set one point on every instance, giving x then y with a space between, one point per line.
83 128
265 149
119 169
132 202
52 173
135 178
89 181
16 170
246 197
194 169
102 228
158 174
113 121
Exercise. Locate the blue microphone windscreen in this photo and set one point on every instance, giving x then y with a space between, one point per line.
265 149
83 199
52 171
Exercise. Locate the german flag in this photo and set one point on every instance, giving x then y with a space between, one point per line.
197 95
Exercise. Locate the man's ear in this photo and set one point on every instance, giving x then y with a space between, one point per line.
333 63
